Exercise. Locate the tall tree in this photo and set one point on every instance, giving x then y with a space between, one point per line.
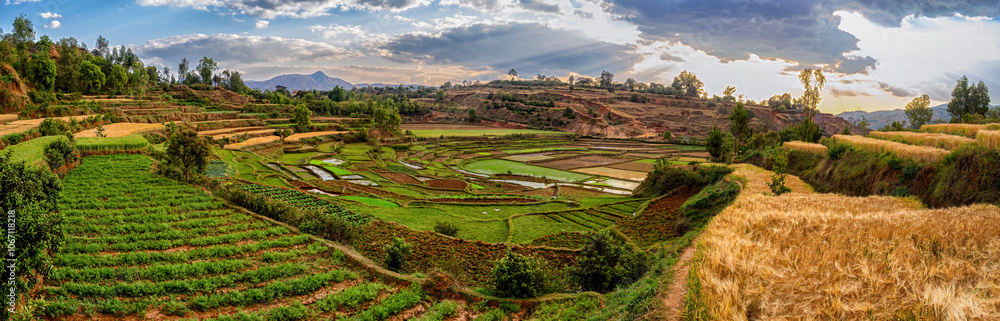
918 111
101 47
117 79
959 98
813 82
728 93
338 94
512 73
740 124
688 84
137 77
205 69
68 66
979 99
92 77
607 79
23 34
188 153
301 117
42 71
182 69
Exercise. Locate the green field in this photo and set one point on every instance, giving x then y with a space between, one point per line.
482 132
32 151
370 201
111 143
544 149
336 170
498 166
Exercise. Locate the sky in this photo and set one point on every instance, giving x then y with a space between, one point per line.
876 54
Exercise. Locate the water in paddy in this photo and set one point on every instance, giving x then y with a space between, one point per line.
323 174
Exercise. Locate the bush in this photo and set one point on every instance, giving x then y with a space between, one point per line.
518 276
41 97
51 127
665 178
327 225
59 153
836 149
396 254
607 261
446 228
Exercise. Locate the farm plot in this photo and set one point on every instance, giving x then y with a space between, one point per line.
499 166
131 142
140 246
304 200
529 157
529 227
437 130
582 161
639 166
613 172
121 129
254 142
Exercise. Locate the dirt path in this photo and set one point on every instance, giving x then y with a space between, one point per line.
674 302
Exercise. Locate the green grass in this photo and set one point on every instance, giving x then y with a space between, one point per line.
424 218
530 227
371 201
406 191
497 166
32 151
646 161
595 201
111 143
544 149
505 210
295 158
477 132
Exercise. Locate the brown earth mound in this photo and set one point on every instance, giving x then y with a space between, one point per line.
447 184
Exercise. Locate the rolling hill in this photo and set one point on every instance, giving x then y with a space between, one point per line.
878 119
317 80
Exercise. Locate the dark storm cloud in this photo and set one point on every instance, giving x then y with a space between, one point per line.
895 91
539 6
239 49
803 31
529 48
855 65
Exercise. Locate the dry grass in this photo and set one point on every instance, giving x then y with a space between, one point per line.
805 147
20 126
8 117
250 133
296 137
226 130
122 130
945 141
918 153
988 138
803 256
253 142
967 130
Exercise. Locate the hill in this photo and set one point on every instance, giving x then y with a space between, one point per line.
382 85
878 119
317 80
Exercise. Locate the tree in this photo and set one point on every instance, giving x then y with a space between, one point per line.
918 111
740 124
117 79
979 99
23 33
92 77
606 262
715 143
205 69
182 69
137 77
512 73
607 79
42 71
59 153
630 83
688 84
568 113
187 153
396 254
472 115
728 93
301 117
338 94
813 82
101 47
668 136
518 276
777 183
967 99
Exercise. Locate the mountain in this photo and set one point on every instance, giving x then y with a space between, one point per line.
878 119
318 81
380 85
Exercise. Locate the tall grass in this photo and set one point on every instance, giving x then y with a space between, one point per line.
988 138
805 147
967 130
945 141
803 256
90 144
917 153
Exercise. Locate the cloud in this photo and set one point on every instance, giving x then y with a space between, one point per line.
238 49
430 75
529 47
803 31
539 5
262 24
54 24
269 9
475 4
49 15
17 2
333 31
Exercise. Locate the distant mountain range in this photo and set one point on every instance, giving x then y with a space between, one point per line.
878 119
318 81
380 85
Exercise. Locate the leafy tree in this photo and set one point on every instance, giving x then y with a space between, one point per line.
396 254
740 124
440 95
91 76
918 111
301 116
518 276
23 34
512 73
137 77
728 93
446 228
42 71
979 99
101 47
630 83
187 153
668 136
777 183
715 143
607 261
607 79
966 99
338 94
205 69
182 69
862 123
472 115
117 79
688 84
59 153
50 127
813 82
568 113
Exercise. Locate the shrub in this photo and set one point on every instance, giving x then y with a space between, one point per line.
396 254
518 276
665 178
836 149
59 153
41 97
446 228
175 308
326 225
607 261
51 127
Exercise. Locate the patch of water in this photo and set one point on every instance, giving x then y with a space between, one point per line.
316 191
278 168
364 182
423 179
322 174
334 161
410 165
525 183
352 177
471 173
617 183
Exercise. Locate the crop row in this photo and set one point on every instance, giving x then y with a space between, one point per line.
142 289
278 289
170 234
153 273
154 215
165 244
201 253
133 228
303 200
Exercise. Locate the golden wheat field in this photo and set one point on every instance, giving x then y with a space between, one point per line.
252 142
7 117
988 138
918 153
939 140
21 126
967 130
805 147
803 256
296 137
121 130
